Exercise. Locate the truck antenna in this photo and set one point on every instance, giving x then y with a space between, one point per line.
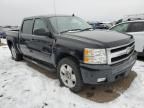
54 4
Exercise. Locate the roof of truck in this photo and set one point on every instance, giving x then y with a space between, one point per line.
46 16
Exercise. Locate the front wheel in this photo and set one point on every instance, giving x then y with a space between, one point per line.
69 74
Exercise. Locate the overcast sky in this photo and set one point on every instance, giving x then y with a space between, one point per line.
13 11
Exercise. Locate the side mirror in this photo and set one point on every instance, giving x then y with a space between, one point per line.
42 32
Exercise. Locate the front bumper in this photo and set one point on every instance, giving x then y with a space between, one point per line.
91 73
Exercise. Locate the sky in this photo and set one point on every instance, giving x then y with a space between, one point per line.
13 11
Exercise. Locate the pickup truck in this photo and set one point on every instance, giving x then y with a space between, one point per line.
69 45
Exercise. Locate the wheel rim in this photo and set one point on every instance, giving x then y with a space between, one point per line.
67 76
13 52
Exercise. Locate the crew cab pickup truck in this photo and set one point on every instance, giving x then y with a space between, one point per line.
69 45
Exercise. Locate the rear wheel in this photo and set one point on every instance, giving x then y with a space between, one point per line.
15 55
69 74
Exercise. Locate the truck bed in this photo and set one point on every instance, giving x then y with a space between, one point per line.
12 33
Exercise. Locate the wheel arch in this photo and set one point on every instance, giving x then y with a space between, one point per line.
66 55
11 43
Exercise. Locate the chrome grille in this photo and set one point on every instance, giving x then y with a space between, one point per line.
120 53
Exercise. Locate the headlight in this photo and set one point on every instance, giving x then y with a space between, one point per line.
95 56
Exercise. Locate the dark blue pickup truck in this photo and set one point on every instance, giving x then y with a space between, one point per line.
69 45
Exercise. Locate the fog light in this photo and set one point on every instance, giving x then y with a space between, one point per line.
101 79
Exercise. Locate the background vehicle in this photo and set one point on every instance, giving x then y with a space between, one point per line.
130 18
69 45
2 33
135 28
4 29
98 25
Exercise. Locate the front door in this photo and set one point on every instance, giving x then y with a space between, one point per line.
41 45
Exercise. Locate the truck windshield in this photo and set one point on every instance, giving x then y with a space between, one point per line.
69 24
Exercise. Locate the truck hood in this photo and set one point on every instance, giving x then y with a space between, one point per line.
103 37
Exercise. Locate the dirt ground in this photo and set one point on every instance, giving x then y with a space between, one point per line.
97 93
1 44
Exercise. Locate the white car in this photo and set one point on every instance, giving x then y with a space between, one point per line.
135 28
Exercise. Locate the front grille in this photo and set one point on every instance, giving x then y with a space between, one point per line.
120 53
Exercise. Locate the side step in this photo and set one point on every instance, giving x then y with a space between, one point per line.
39 64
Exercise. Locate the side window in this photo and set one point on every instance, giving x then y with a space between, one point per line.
27 26
39 27
121 28
136 27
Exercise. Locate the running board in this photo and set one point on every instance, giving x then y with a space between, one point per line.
39 64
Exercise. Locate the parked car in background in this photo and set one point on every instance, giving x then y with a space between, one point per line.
79 54
98 25
4 29
2 33
135 28
130 18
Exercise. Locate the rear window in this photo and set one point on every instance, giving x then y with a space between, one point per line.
136 27
27 26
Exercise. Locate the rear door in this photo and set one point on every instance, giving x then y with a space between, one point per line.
25 37
41 45
137 30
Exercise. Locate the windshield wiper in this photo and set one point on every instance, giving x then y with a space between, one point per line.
87 29
71 30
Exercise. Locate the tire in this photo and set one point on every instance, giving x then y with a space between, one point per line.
15 55
71 78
